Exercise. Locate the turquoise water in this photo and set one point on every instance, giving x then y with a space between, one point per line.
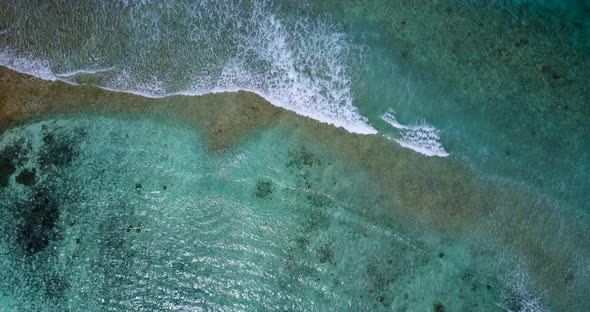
507 92
501 85
498 86
113 221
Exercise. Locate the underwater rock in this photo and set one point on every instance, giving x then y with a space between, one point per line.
49 139
524 42
569 278
302 158
11 157
301 243
26 177
325 254
58 153
263 188
6 170
467 276
16 153
439 307
37 229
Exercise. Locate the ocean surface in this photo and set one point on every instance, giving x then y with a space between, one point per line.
485 105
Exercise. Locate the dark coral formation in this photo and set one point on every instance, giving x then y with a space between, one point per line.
39 222
439 307
26 177
6 171
303 163
11 157
58 153
263 188
325 254
302 158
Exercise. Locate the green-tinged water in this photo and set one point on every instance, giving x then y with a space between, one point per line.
111 214
126 213
504 85
508 90
133 215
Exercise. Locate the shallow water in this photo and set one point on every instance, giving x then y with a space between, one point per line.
141 217
262 212
503 85
133 213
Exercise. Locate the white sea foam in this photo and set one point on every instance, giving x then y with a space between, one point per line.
35 67
420 137
348 120
296 63
517 297
83 71
302 70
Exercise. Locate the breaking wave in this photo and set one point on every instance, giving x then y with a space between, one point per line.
420 137
158 49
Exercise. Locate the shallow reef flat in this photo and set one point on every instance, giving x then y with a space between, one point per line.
26 98
224 201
